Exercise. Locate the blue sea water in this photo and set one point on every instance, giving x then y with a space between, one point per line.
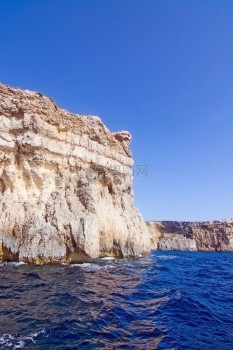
170 300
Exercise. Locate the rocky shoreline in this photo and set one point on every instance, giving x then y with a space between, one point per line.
192 236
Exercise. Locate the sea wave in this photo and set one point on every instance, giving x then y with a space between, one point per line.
167 257
13 263
16 341
153 302
92 266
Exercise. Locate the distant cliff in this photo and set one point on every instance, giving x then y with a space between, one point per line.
192 236
65 185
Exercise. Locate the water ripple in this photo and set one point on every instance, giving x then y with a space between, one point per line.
169 301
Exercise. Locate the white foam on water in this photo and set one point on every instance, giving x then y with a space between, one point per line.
34 335
19 345
88 266
13 263
108 258
18 263
6 340
18 342
85 265
106 267
92 267
167 257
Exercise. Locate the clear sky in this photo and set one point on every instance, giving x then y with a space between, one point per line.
162 69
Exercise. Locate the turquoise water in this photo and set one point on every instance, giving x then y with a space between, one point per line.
170 300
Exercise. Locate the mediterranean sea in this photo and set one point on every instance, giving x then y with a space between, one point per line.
167 301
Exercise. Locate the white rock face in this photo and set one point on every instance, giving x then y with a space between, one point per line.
65 185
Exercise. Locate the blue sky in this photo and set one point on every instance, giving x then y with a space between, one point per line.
161 69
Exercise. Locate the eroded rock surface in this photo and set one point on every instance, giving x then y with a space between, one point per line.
205 236
65 185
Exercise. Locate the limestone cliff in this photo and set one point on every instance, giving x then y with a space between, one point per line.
65 185
209 235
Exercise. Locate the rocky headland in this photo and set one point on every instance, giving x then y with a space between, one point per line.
192 236
65 185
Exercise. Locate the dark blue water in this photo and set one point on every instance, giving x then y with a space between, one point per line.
170 300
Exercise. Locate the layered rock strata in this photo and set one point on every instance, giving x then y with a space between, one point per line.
65 185
192 236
